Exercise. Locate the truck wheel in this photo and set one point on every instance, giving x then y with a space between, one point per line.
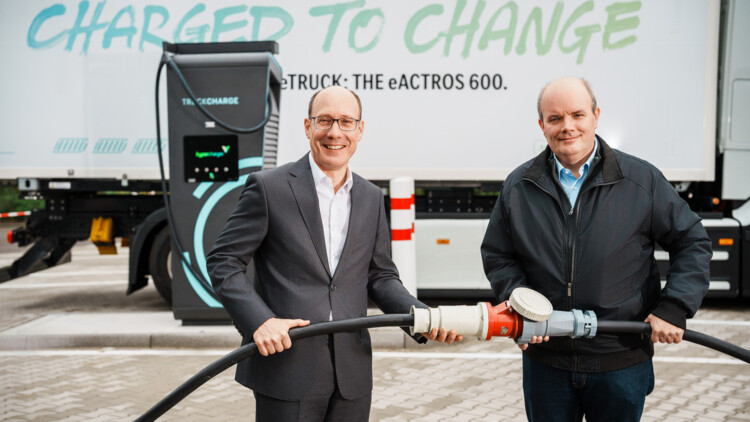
160 264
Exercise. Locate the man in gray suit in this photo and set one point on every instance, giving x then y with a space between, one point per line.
319 240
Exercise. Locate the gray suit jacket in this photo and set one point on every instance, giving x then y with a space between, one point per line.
277 224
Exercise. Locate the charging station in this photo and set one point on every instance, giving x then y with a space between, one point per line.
239 84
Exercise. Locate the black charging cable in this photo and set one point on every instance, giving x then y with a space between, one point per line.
229 360
398 320
176 243
167 57
696 337
168 60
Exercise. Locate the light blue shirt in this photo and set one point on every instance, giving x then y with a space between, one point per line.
570 184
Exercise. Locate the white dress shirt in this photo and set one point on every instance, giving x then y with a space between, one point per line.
334 212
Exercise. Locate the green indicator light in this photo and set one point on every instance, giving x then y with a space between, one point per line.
211 175
209 154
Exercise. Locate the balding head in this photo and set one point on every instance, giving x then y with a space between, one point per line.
565 81
333 89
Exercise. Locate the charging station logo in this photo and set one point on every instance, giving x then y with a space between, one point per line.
211 101
213 154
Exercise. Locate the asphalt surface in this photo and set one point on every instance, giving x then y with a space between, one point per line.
74 347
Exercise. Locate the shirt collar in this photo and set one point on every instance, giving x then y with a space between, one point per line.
584 168
319 176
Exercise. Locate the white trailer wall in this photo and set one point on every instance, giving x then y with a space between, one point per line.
449 87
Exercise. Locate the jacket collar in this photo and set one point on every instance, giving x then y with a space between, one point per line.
604 169
303 188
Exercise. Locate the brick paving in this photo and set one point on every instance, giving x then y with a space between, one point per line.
109 386
90 283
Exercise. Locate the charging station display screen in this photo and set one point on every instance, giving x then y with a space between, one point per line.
210 158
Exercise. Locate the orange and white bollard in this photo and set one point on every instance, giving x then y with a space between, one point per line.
403 245
14 214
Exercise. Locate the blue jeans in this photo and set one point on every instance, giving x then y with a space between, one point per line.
552 394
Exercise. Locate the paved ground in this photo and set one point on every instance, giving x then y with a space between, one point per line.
471 381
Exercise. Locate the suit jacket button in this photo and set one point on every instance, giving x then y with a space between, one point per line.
333 287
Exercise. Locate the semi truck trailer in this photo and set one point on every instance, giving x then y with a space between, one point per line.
449 91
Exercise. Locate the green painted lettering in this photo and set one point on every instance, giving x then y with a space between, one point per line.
337 12
362 20
411 28
87 30
507 33
41 18
127 31
146 35
456 29
195 33
535 16
583 33
221 26
616 25
260 12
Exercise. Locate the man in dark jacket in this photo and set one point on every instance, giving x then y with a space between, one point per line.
578 224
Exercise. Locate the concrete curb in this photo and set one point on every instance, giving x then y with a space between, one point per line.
143 341
140 330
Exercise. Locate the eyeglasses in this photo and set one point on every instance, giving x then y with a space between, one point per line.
325 123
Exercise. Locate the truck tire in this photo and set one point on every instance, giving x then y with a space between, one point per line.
160 264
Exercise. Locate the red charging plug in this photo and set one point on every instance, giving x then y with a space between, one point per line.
503 321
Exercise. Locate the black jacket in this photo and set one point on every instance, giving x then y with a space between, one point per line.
598 254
